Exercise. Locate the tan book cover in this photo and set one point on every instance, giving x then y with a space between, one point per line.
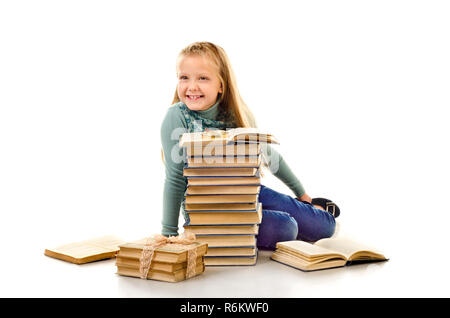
222 207
325 253
172 277
220 172
231 261
222 229
225 189
230 217
240 149
134 263
169 253
222 137
231 251
224 181
220 198
86 251
223 162
230 240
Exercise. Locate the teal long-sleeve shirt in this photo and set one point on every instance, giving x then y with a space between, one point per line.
174 124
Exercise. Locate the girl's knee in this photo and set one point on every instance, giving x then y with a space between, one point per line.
276 226
317 231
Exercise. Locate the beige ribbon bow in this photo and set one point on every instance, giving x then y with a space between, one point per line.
158 240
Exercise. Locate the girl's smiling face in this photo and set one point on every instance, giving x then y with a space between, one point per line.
198 82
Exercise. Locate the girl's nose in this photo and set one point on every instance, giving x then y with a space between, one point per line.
193 85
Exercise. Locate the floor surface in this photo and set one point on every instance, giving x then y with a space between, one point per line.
401 276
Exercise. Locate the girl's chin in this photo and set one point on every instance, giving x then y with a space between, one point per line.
194 106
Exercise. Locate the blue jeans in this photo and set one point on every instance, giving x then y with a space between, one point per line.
284 218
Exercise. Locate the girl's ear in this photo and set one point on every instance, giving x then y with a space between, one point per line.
221 88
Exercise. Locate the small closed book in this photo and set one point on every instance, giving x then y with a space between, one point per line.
222 229
169 253
227 240
231 251
217 181
324 254
221 198
173 277
235 260
215 207
223 162
87 251
220 172
223 189
225 217
238 149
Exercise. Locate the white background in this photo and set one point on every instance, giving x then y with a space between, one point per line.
356 91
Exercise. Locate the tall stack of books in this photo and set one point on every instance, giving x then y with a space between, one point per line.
223 183
169 263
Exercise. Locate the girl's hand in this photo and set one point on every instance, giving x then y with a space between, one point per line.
305 197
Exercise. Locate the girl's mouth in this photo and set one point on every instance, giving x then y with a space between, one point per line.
194 97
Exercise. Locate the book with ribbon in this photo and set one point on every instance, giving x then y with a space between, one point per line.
170 259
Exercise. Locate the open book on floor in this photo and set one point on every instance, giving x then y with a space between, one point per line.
87 251
325 253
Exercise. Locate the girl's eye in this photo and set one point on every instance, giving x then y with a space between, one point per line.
183 77
203 78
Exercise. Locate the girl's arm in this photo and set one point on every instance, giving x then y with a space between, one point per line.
175 182
281 170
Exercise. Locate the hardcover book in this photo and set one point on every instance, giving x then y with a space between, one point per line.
86 251
231 251
168 262
216 181
170 253
222 229
221 198
223 189
239 149
225 217
227 240
231 260
133 263
220 172
324 254
222 137
173 277
215 207
220 161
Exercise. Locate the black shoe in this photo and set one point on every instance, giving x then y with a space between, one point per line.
327 205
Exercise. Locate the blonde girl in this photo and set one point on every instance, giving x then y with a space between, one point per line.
206 97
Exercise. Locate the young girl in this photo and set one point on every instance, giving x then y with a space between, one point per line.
206 97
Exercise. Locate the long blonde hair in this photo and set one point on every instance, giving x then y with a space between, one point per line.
230 100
